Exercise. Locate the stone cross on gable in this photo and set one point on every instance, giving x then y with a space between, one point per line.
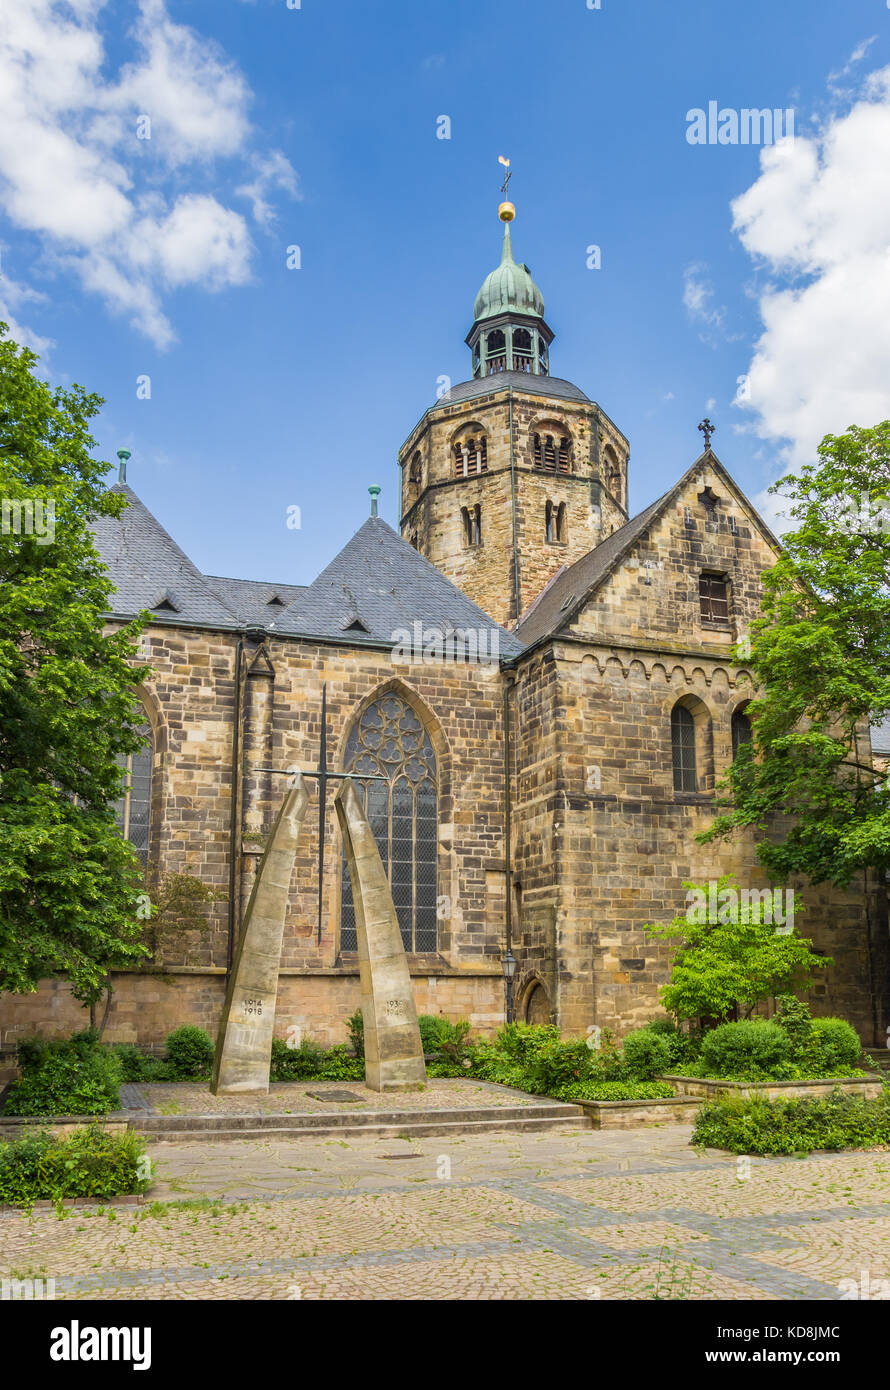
707 430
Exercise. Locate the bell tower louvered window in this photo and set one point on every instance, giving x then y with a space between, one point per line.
390 741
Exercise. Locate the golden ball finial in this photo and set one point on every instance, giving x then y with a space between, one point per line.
506 212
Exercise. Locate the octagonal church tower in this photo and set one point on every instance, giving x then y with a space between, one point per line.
515 474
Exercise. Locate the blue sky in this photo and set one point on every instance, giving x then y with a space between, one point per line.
273 127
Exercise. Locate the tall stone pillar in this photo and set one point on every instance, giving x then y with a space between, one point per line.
393 1050
244 1043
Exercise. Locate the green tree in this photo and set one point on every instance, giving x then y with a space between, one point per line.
731 954
69 884
821 657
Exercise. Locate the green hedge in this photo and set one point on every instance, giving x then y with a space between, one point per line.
89 1163
72 1077
839 1121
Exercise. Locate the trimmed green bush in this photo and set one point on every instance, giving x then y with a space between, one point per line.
89 1163
72 1077
617 1090
648 1052
834 1043
839 1121
190 1053
750 1049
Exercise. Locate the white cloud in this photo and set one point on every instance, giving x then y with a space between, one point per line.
12 297
73 172
270 172
817 219
698 300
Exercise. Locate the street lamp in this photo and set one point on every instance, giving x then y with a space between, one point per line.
508 965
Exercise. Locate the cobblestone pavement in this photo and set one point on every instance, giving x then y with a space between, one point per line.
291 1097
569 1214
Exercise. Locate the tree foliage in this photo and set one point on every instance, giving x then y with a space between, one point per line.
724 968
821 657
68 882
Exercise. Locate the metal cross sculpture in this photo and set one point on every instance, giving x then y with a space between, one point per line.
507 176
324 775
707 430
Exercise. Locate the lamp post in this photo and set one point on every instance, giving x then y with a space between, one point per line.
508 965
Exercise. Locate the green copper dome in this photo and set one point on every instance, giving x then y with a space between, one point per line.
510 288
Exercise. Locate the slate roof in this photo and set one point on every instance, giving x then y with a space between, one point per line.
381 582
528 382
880 739
377 584
254 599
148 568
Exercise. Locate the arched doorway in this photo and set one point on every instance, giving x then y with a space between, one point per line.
537 1005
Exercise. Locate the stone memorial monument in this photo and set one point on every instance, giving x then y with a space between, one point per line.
244 1042
393 1050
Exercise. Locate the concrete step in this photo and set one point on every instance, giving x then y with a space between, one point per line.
187 1129
347 1116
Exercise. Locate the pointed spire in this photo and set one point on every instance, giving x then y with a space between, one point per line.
507 253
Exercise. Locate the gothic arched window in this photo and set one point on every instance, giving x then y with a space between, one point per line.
390 741
133 809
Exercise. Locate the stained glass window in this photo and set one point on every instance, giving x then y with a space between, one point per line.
390 741
133 809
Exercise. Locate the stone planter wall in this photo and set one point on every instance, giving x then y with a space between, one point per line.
631 1114
867 1086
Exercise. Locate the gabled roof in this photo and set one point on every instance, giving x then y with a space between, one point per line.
559 603
383 583
149 570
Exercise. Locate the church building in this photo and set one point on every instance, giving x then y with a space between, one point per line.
542 688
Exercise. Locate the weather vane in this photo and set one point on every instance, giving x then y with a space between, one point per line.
707 430
506 211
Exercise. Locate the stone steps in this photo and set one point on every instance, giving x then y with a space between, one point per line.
390 1124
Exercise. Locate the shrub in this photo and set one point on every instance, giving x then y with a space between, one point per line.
72 1077
295 1063
429 1031
794 1126
338 1065
355 1024
558 1065
834 1043
190 1052
452 1041
794 1016
89 1163
647 1052
749 1049
617 1090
